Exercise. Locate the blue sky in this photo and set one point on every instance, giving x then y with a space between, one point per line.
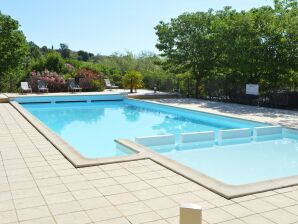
105 26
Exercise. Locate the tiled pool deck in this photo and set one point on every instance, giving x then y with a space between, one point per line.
38 185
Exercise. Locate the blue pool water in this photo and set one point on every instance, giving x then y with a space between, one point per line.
245 163
91 128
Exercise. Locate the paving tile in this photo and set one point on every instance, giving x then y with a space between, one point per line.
280 201
118 199
258 205
95 176
114 221
186 198
172 189
117 173
237 210
127 179
140 185
103 182
86 193
6 205
104 213
169 212
78 186
143 218
292 194
54 189
22 203
206 194
256 219
216 215
92 203
33 213
110 190
160 203
65 207
133 208
147 194
46 220
58 198
292 209
73 218
5 196
159 182
8 217
281 216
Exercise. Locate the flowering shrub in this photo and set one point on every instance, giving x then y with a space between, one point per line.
90 79
55 82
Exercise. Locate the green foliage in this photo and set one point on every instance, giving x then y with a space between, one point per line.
234 48
97 85
54 62
13 53
64 50
132 80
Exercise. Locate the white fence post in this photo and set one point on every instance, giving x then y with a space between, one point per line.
190 214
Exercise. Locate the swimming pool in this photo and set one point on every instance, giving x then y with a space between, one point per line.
91 128
232 157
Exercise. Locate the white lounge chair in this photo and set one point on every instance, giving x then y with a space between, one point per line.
72 86
25 87
109 85
42 87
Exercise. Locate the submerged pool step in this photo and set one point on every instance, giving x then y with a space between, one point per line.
266 132
228 135
206 136
156 140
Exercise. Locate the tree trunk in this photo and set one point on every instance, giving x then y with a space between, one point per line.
198 81
131 87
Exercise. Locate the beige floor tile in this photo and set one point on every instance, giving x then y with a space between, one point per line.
149 175
95 176
143 218
244 198
281 216
186 198
78 186
175 220
234 221
8 217
65 207
139 169
114 221
117 173
112 166
25 193
6 205
133 208
140 185
292 209
73 218
54 189
86 193
158 222
147 194
93 203
118 199
104 213
172 189
72 178
191 186
33 213
159 182
256 219
59 198
5 196
49 181
258 205
206 194
292 194
46 220
110 190
103 182
127 179
22 203
280 201
216 215
160 203
169 212
237 210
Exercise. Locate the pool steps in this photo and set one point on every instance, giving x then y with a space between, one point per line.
222 136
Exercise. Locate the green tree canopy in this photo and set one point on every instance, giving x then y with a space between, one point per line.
13 52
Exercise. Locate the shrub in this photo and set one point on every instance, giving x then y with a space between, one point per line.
90 79
55 82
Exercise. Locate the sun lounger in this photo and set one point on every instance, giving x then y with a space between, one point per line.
72 86
42 87
109 85
25 88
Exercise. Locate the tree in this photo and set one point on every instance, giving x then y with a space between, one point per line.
34 50
188 44
64 50
84 56
54 62
13 51
132 80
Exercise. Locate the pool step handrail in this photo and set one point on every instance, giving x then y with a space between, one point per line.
195 137
232 134
156 140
